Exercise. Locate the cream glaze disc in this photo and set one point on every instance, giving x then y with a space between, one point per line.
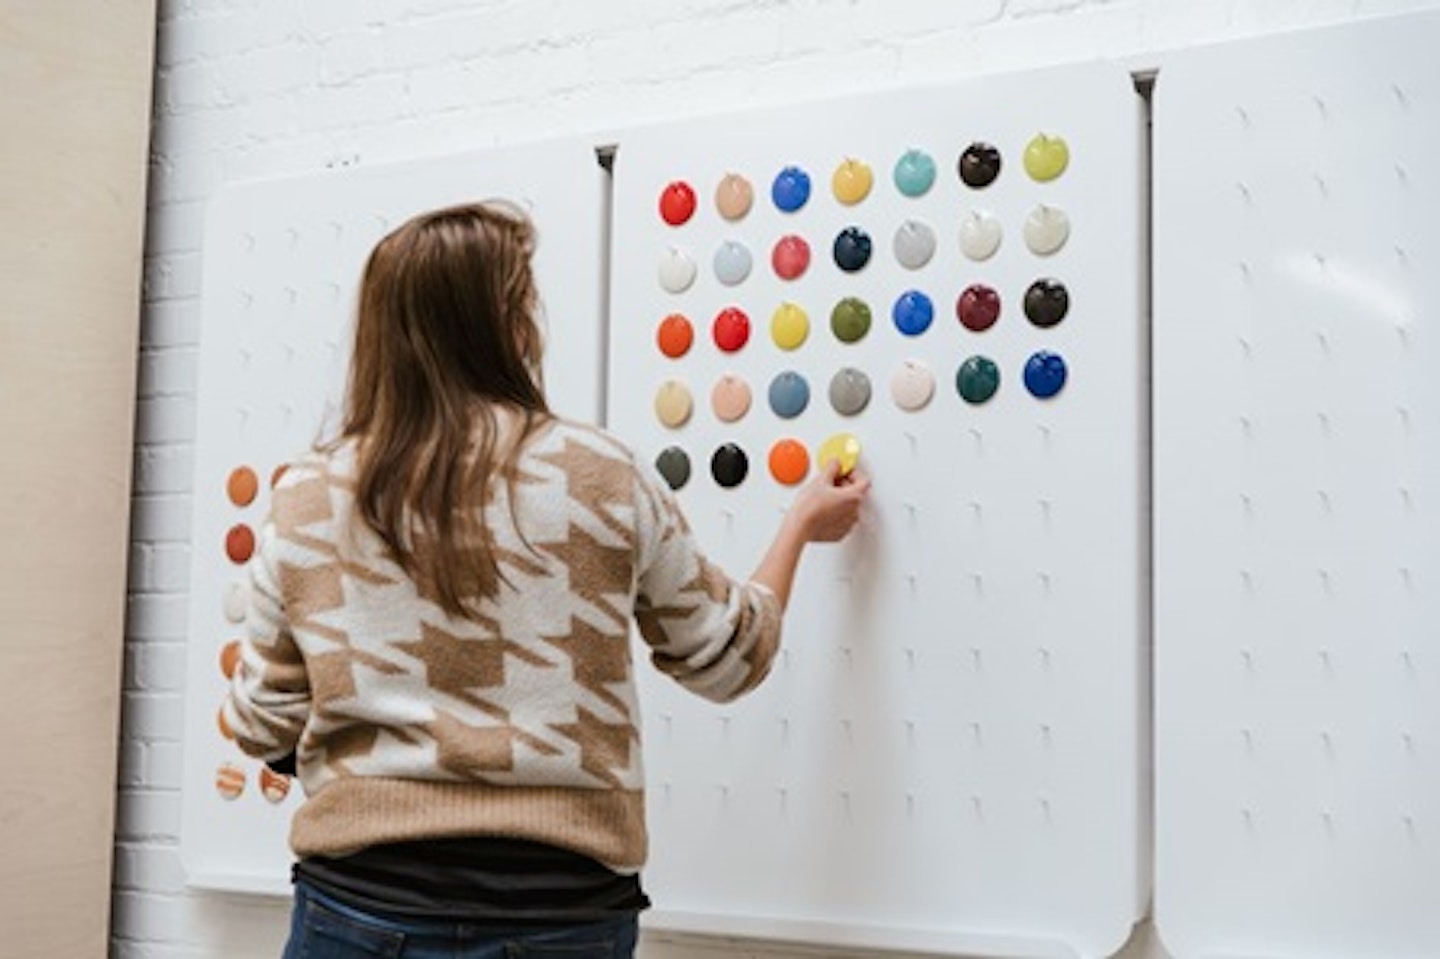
1046 230
237 601
980 235
913 385
676 270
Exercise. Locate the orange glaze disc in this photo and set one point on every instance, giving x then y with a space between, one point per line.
279 472
274 786
240 543
230 657
675 336
789 461
225 729
242 486
229 781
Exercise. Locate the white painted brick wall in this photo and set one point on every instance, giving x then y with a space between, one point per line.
261 88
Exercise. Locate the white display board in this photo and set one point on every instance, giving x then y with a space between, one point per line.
282 266
948 754
1297 468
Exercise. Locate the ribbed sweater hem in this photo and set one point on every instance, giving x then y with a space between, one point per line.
346 815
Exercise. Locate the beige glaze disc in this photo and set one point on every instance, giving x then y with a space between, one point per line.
730 398
733 196
673 404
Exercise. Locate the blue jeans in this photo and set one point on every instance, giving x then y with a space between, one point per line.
322 928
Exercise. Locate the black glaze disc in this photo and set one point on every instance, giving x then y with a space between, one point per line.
979 165
1046 302
729 465
852 249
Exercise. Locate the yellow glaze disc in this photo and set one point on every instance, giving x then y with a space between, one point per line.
1046 157
852 181
789 325
842 446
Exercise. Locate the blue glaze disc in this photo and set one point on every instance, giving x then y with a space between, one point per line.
1045 374
789 394
913 313
791 189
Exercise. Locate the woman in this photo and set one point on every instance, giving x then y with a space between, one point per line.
440 623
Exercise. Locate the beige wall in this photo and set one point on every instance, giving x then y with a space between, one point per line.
74 131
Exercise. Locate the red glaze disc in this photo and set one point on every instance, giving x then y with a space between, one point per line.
677 203
978 307
732 329
790 257
239 543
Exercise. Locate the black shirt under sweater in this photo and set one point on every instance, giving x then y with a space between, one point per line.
482 880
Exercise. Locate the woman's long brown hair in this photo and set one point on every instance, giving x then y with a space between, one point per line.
446 343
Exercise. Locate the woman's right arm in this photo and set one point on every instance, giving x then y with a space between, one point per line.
712 634
825 511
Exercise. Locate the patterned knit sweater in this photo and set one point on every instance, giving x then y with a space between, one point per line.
410 724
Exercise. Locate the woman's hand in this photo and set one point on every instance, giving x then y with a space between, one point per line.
827 508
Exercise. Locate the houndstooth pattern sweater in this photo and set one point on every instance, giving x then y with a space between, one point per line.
410 724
